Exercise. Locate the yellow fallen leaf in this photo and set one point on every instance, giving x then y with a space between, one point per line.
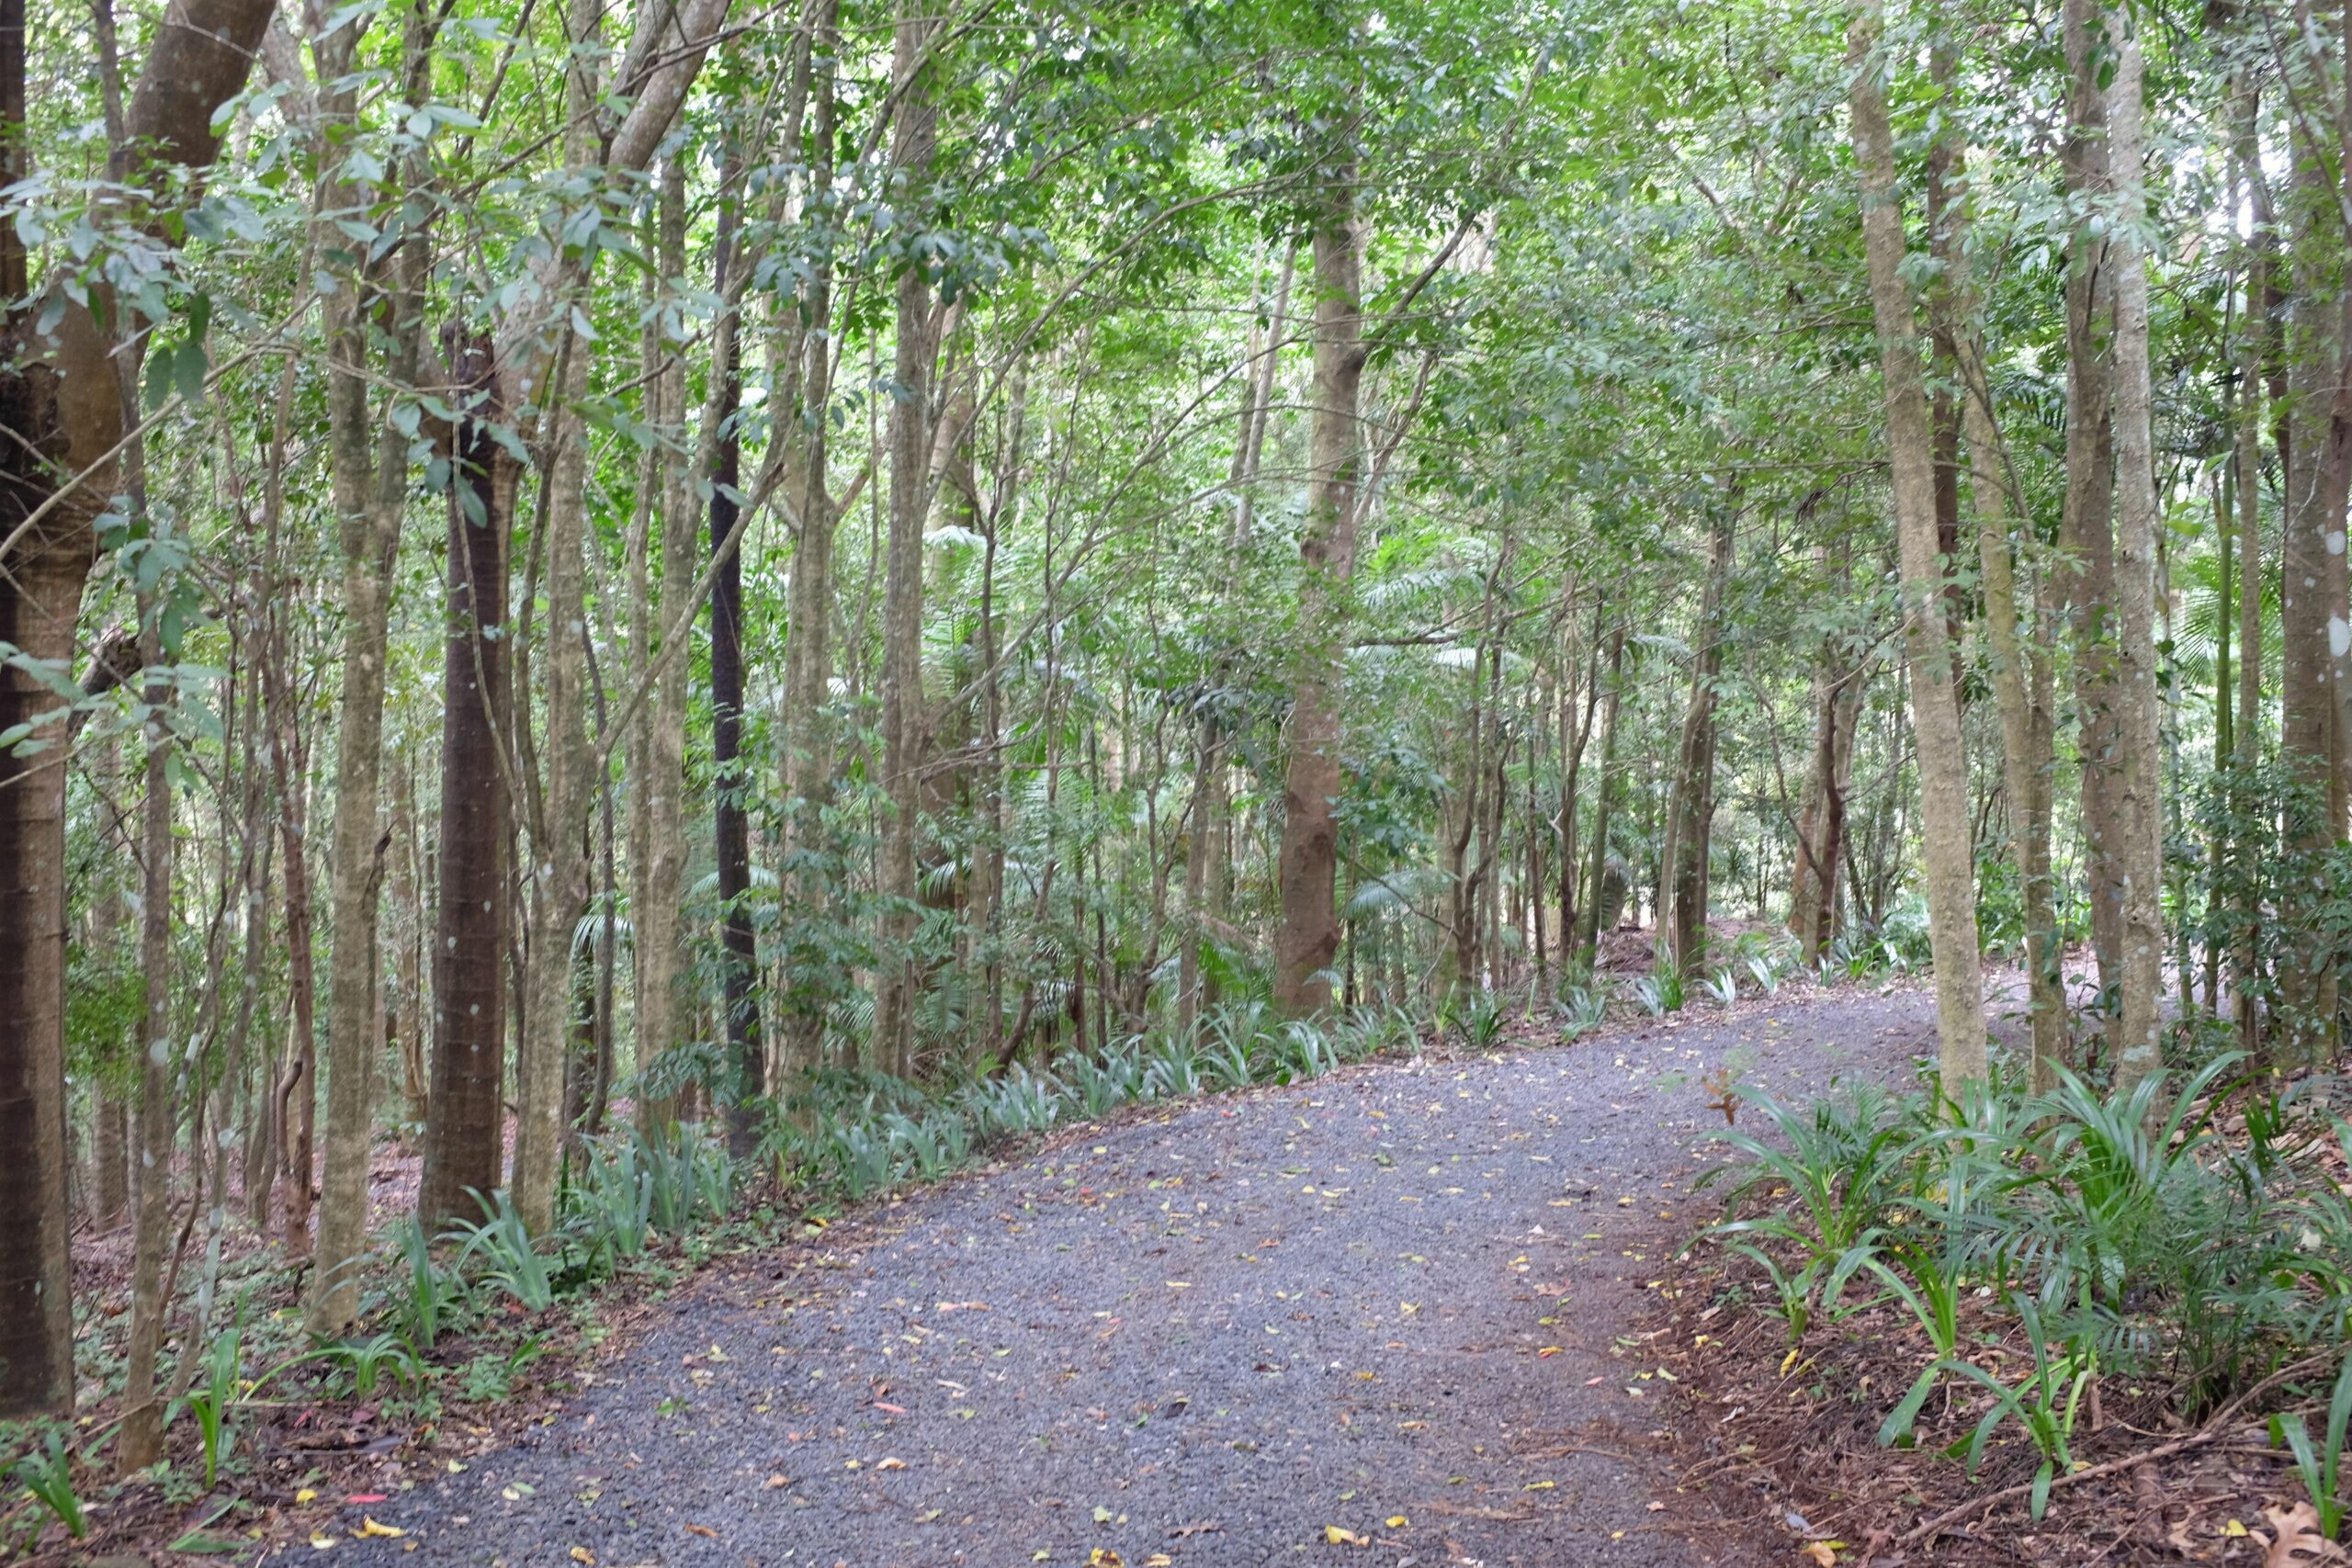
1790 1360
1397 1522
320 1543
582 1554
892 1464
1160 1560
1823 1554
1539 1486
389 1532
307 1494
1103 1557
2234 1528
1340 1537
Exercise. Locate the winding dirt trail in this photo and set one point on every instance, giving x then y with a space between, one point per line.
1391 1304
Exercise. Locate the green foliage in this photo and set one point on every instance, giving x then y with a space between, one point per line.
508 1257
47 1472
2114 1233
211 1400
423 1292
367 1362
1583 1009
1659 992
2319 1468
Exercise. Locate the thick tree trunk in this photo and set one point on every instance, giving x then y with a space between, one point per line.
2085 569
731 781
2139 858
914 136
1934 715
1307 866
657 836
2313 632
464 1143
370 489
2247 442
808 647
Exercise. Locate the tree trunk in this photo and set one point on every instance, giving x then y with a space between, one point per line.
294 1097
370 491
1684 921
914 136
1934 715
657 838
2022 679
141 1440
2247 441
2313 633
1307 866
2086 567
731 781
2139 858
1604 797
808 648
464 1143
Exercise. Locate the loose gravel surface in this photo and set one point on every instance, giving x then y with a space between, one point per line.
1380 1318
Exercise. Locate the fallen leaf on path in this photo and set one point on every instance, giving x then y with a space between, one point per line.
893 1409
892 1464
1822 1553
775 1483
1397 1522
1338 1535
389 1532
2300 1544
582 1554
703 1530
1103 1557
307 1495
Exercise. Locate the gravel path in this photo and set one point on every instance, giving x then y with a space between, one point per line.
1389 1306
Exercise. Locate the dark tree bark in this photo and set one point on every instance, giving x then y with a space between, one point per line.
739 960
464 1141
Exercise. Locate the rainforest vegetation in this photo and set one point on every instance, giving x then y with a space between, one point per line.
674 602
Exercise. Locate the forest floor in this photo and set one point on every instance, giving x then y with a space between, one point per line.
1406 1308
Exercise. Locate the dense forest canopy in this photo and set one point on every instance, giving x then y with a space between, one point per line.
570 565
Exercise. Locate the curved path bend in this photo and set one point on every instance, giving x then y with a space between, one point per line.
1380 1319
